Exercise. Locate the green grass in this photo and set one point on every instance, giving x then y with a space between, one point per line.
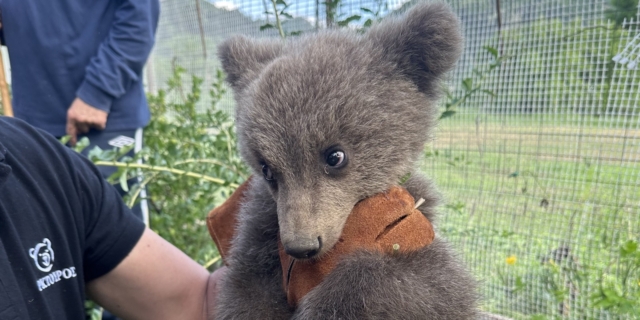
524 186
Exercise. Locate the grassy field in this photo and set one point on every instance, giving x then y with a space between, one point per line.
545 210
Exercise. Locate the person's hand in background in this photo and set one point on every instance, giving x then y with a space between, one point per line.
81 117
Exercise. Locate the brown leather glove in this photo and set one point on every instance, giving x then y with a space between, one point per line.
222 220
387 223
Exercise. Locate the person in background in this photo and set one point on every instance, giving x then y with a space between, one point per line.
77 68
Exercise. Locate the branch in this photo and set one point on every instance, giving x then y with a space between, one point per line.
211 161
278 24
165 169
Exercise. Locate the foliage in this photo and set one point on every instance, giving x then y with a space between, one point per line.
472 85
92 310
540 252
619 284
374 15
621 10
342 20
279 11
586 77
333 20
204 143
189 164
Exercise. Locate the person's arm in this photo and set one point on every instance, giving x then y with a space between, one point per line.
117 64
120 58
156 281
126 267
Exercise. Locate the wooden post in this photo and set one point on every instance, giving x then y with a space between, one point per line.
4 90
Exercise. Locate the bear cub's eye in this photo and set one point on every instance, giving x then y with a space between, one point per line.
266 172
336 158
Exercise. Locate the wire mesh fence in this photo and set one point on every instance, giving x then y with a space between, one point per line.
541 179
539 167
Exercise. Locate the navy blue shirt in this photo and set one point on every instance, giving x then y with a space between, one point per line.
61 225
94 50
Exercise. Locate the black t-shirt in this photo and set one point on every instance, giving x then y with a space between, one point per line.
61 225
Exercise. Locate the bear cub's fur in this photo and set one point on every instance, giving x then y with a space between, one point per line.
329 119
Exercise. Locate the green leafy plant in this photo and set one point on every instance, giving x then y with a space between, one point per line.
472 85
279 11
92 310
621 10
619 286
188 165
343 20
374 15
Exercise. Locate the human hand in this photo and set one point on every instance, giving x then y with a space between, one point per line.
212 290
81 117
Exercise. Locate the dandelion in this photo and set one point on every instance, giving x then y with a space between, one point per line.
511 260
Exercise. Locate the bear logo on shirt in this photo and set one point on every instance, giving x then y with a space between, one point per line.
42 255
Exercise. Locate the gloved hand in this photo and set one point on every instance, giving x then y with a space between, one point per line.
387 222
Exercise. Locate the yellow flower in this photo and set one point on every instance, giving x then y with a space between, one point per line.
511 260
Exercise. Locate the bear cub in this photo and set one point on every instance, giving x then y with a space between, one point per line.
327 120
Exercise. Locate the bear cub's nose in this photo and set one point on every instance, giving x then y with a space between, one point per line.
304 249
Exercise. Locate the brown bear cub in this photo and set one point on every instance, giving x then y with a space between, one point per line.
328 120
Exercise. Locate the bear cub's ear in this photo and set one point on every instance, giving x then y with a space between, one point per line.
243 58
424 43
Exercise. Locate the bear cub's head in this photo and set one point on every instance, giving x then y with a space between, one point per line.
331 118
